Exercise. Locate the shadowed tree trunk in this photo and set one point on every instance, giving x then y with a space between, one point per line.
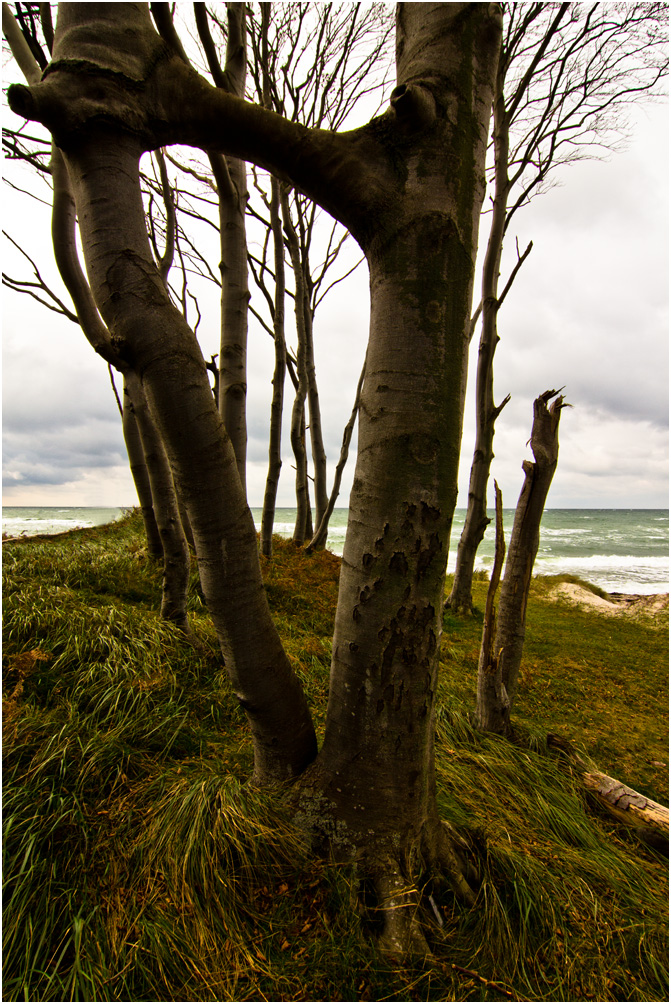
166 508
138 469
493 713
411 180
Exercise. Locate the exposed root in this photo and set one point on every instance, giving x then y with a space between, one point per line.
398 903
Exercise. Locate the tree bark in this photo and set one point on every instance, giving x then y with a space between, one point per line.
279 374
157 344
476 522
138 469
650 819
490 685
524 539
176 562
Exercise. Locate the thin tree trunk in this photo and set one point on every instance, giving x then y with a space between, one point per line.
476 522
314 411
138 469
176 562
234 303
321 534
524 539
490 686
279 374
303 514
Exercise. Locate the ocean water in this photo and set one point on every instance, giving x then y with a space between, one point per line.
620 550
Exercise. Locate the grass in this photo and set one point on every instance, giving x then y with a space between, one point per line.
139 865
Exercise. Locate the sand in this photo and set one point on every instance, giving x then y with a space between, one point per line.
617 604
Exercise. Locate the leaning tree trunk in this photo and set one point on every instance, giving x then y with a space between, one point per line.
524 539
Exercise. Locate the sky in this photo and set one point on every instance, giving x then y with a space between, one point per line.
588 312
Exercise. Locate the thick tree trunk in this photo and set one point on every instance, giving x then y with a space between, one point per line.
176 563
375 770
138 469
524 539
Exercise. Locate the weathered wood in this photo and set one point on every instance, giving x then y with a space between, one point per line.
649 818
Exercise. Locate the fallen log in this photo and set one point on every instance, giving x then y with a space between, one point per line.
647 817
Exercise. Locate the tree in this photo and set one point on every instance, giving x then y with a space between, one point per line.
412 178
565 78
503 636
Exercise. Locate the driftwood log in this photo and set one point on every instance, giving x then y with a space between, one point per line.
649 818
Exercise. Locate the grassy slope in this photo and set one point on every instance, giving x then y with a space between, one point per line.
139 866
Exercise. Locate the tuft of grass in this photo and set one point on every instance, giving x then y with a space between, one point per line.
139 865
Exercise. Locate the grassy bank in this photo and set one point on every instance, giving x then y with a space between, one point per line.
139 865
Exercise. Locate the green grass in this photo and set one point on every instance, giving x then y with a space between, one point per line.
139 864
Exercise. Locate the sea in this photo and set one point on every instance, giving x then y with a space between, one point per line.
620 550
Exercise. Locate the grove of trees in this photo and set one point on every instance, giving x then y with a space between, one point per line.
119 84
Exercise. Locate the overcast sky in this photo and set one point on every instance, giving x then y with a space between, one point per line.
589 311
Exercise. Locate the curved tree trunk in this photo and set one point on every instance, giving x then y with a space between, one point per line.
156 342
138 469
494 715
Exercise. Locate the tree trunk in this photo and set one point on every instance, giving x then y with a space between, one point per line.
155 341
476 522
176 562
303 514
524 539
234 304
138 469
279 374
375 771
321 533
490 686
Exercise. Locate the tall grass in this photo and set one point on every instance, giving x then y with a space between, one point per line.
139 865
